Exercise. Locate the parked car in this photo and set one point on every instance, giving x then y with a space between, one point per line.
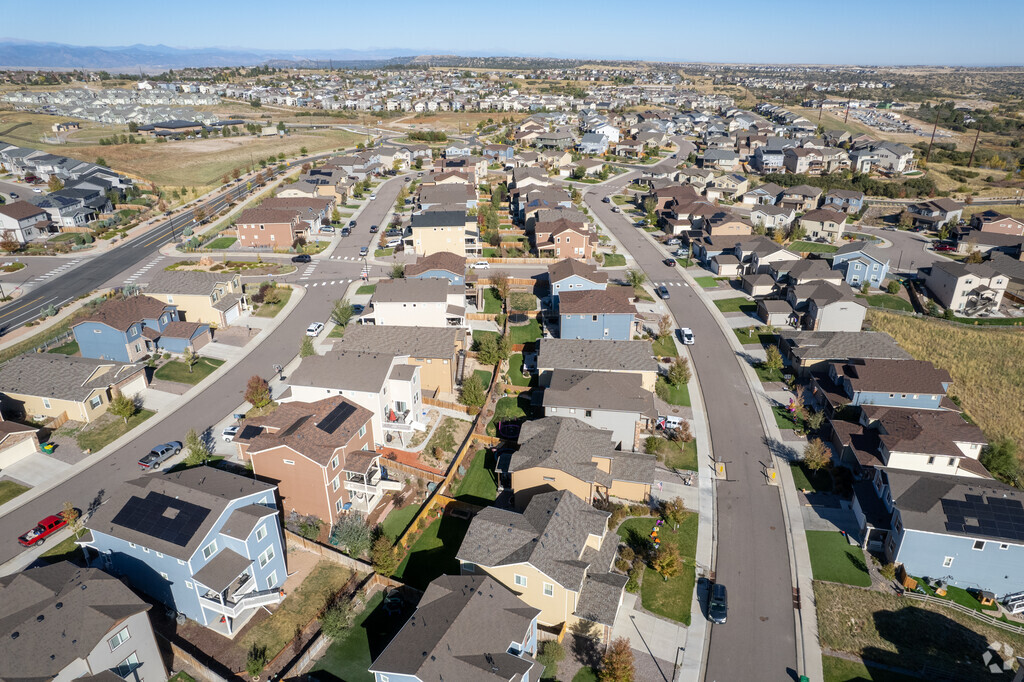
673 242
374 228
616 210
160 454
680 253
663 292
373 196
345 232
408 179
669 261
302 258
352 223
14 195
481 265
326 228
363 250
945 247
393 242
718 604
315 329
686 336
37 190
44 529
357 308
228 434
607 200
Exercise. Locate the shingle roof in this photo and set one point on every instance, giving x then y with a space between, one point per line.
615 356
187 282
61 376
121 313
442 260
20 210
244 519
614 391
821 215
900 376
316 430
568 267
843 345
347 371
930 432
613 300
416 342
257 216
439 219
221 571
423 290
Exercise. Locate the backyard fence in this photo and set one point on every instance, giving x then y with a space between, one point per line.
410 470
196 660
445 404
295 540
983 617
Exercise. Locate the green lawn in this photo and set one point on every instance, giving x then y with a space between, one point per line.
620 200
398 520
492 304
685 262
751 335
665 346
349 657
835 560
337 332
64 550
960 596
480 486
585 674
481 334
783 418
678 455
99 435
888 301
515 370
433 554
509 408
69 348
841 670
176 370
707 282
490 252
221 243
670 598
812 247
673 395
182 677
272 309
9 490
819 481
736 305
381 253
614 260
525 333
765 375
366 290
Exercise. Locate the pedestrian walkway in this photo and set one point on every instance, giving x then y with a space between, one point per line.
58 270
142 272
309 270
335 282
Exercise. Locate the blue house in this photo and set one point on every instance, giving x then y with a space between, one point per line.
966 532
845 200
204 542
597 314
446 264
890 383
499 153
861 263
572 274
466 627
454 150
128 329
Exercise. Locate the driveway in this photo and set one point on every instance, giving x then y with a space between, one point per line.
656 640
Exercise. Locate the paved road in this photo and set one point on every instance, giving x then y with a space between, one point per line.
217 401
758 642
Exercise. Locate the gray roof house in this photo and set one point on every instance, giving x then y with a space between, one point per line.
597 356
805 350
466 628
616 401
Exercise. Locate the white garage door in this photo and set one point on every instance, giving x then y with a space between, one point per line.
135 386
231 314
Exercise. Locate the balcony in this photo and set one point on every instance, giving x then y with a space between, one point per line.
233 608
401 421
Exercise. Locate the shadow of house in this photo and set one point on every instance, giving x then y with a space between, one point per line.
424 565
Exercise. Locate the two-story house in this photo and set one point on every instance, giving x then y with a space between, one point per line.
128 329
557 556
594 314
204 542
772 217
270 228
499 153
861 263
571 274
443 230
801 198
62 622
426 302
630 357
823 223
996 222
435 350
444 264
23 220
465 627
891 383
807 351
966 288
934 213
206 297
845 200
564 239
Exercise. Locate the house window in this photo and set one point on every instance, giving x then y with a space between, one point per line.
46 403
261 533
181 562
170 299
209 550
289 461
469 568
549 478
1004 546
159 555
588 413
266 557
520 580
593 318
334 462
362 431
338 505
931 460
164 576
95 401
188 585
145 550
132 545
979 545
120 638
334 484
272 580
947 562
125 667
952 461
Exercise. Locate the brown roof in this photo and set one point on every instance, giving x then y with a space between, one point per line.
257 216
899 376
820 215
929 432
442 260
121 313
181 330
316 204
567 267
559 226
316 430
20 210
611 300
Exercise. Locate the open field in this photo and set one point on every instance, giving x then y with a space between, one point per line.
448 121
1011 210
987 376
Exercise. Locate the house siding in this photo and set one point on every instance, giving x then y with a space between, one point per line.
554 610
922 402
993 569
140 642
450 276
621 424
619 326
575 283
858 269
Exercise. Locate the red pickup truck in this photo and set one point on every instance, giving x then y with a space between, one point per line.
44 529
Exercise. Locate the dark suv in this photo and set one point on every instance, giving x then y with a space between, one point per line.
718 604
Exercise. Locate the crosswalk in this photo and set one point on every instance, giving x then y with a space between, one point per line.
329 284
670 284
309 269
143 270
57 270
346 258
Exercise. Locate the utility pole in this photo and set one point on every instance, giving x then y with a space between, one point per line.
935 127
976 137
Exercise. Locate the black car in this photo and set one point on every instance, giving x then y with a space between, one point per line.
669 261
345 232
13 195
373 229
302 258
718 604
352 223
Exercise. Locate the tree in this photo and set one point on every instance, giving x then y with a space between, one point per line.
473 393
635 278
336 619
773 359
667 562
73 518
397 271
905 219
306 347
664 325
256 658
973 257
55 184
674 512
650 203
679 372
235 173
8 242
100 161
303 151
489 351
122 406
893 287
551 654
816 454
1000 458
353 534
617 664
383 556
196 449
815 420
500 284
190 358
257 391
342 312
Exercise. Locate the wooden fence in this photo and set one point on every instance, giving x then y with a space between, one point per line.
192 660
445 404
482 316
409 470
513 281
293 539
522 261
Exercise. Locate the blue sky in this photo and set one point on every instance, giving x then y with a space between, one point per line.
791 31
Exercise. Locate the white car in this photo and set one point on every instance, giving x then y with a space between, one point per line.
686 336
315 329
392 243
37 190
228 434
373 196
481 265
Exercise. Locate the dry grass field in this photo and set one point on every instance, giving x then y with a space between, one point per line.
984 362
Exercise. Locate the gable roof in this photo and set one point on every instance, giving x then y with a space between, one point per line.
186 282
843 345
315 430
441 260
121 313
616 356
420 290
902 376
20 210
440 218
611 301
569 267
63 377
268 216
344 370
416 342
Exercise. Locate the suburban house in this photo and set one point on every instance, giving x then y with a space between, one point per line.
607 314
934 213
725 265
801 198
44 386
387 387
764 195
593 143
446 264
202 541
427 302
845 200
631 357
891 157
269 228
772 217
435 350
447 197
803 271
62 622
465 627
826 307
720 159
765 257
23 220
557 556
570 274
861 263
129 329
613 401
320 453
565 453
806 351
499 153
725 223
440 230
212 298
564 239
823 223
17 441
891 383
315 211
1000 223
964 531
757 285
966 288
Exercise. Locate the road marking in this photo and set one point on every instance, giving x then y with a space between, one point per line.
57 270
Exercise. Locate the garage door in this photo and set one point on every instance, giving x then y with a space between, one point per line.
135 386
231 314
201 340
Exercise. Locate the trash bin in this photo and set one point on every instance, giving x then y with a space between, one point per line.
48 447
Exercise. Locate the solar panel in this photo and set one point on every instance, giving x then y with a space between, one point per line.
336 417
994 517
294 426
162 517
